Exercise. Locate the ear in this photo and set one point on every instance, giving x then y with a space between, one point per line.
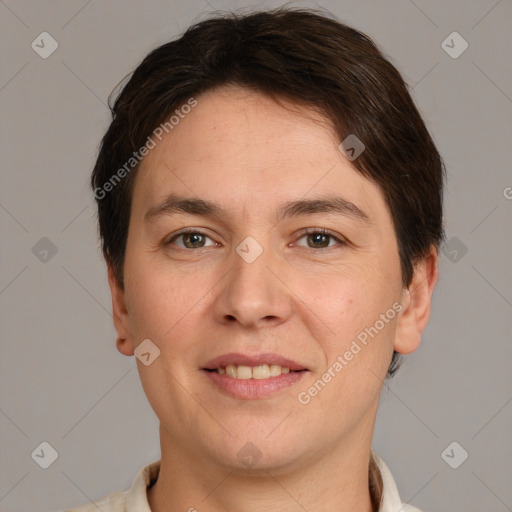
416 300
124 342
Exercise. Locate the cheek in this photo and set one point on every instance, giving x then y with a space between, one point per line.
357 347
348 299
160 298
345 317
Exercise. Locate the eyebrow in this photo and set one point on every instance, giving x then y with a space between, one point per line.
175 203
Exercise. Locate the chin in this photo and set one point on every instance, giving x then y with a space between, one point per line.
256 454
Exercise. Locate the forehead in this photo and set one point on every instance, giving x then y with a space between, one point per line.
230 122
242 149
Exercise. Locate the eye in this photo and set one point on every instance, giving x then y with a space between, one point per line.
315 239
191 238
320 238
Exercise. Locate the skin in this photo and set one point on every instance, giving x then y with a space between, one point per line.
298 299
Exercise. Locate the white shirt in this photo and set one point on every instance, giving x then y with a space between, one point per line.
135 498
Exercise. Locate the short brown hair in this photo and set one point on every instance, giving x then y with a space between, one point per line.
303 56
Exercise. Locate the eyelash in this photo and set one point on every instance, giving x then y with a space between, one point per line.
310 231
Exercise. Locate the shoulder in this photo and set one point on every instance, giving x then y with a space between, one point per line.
390 501
132 499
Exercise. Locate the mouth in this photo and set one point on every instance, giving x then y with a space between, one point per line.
259 372
252 377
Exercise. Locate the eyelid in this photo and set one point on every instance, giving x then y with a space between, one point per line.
168 240
339 238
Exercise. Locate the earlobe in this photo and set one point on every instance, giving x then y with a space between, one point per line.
124 342
416 304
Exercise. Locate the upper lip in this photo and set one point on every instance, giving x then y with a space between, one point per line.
252 360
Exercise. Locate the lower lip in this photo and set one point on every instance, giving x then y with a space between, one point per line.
251 389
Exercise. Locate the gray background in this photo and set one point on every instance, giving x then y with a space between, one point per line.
62 379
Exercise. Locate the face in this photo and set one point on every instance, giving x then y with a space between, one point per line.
273 294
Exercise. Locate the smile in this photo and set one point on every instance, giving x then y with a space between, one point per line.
260 372
252 376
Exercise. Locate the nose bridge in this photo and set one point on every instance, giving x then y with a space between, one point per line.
250 264
252 293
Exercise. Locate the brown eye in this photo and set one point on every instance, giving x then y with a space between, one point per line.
193 240
320 239
190 240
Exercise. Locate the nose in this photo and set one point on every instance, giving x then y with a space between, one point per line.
254 293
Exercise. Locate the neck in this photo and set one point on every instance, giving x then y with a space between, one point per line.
336 481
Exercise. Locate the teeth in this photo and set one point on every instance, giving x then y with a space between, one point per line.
275 370
263 371
243 372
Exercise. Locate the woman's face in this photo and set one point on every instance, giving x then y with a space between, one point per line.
255 288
